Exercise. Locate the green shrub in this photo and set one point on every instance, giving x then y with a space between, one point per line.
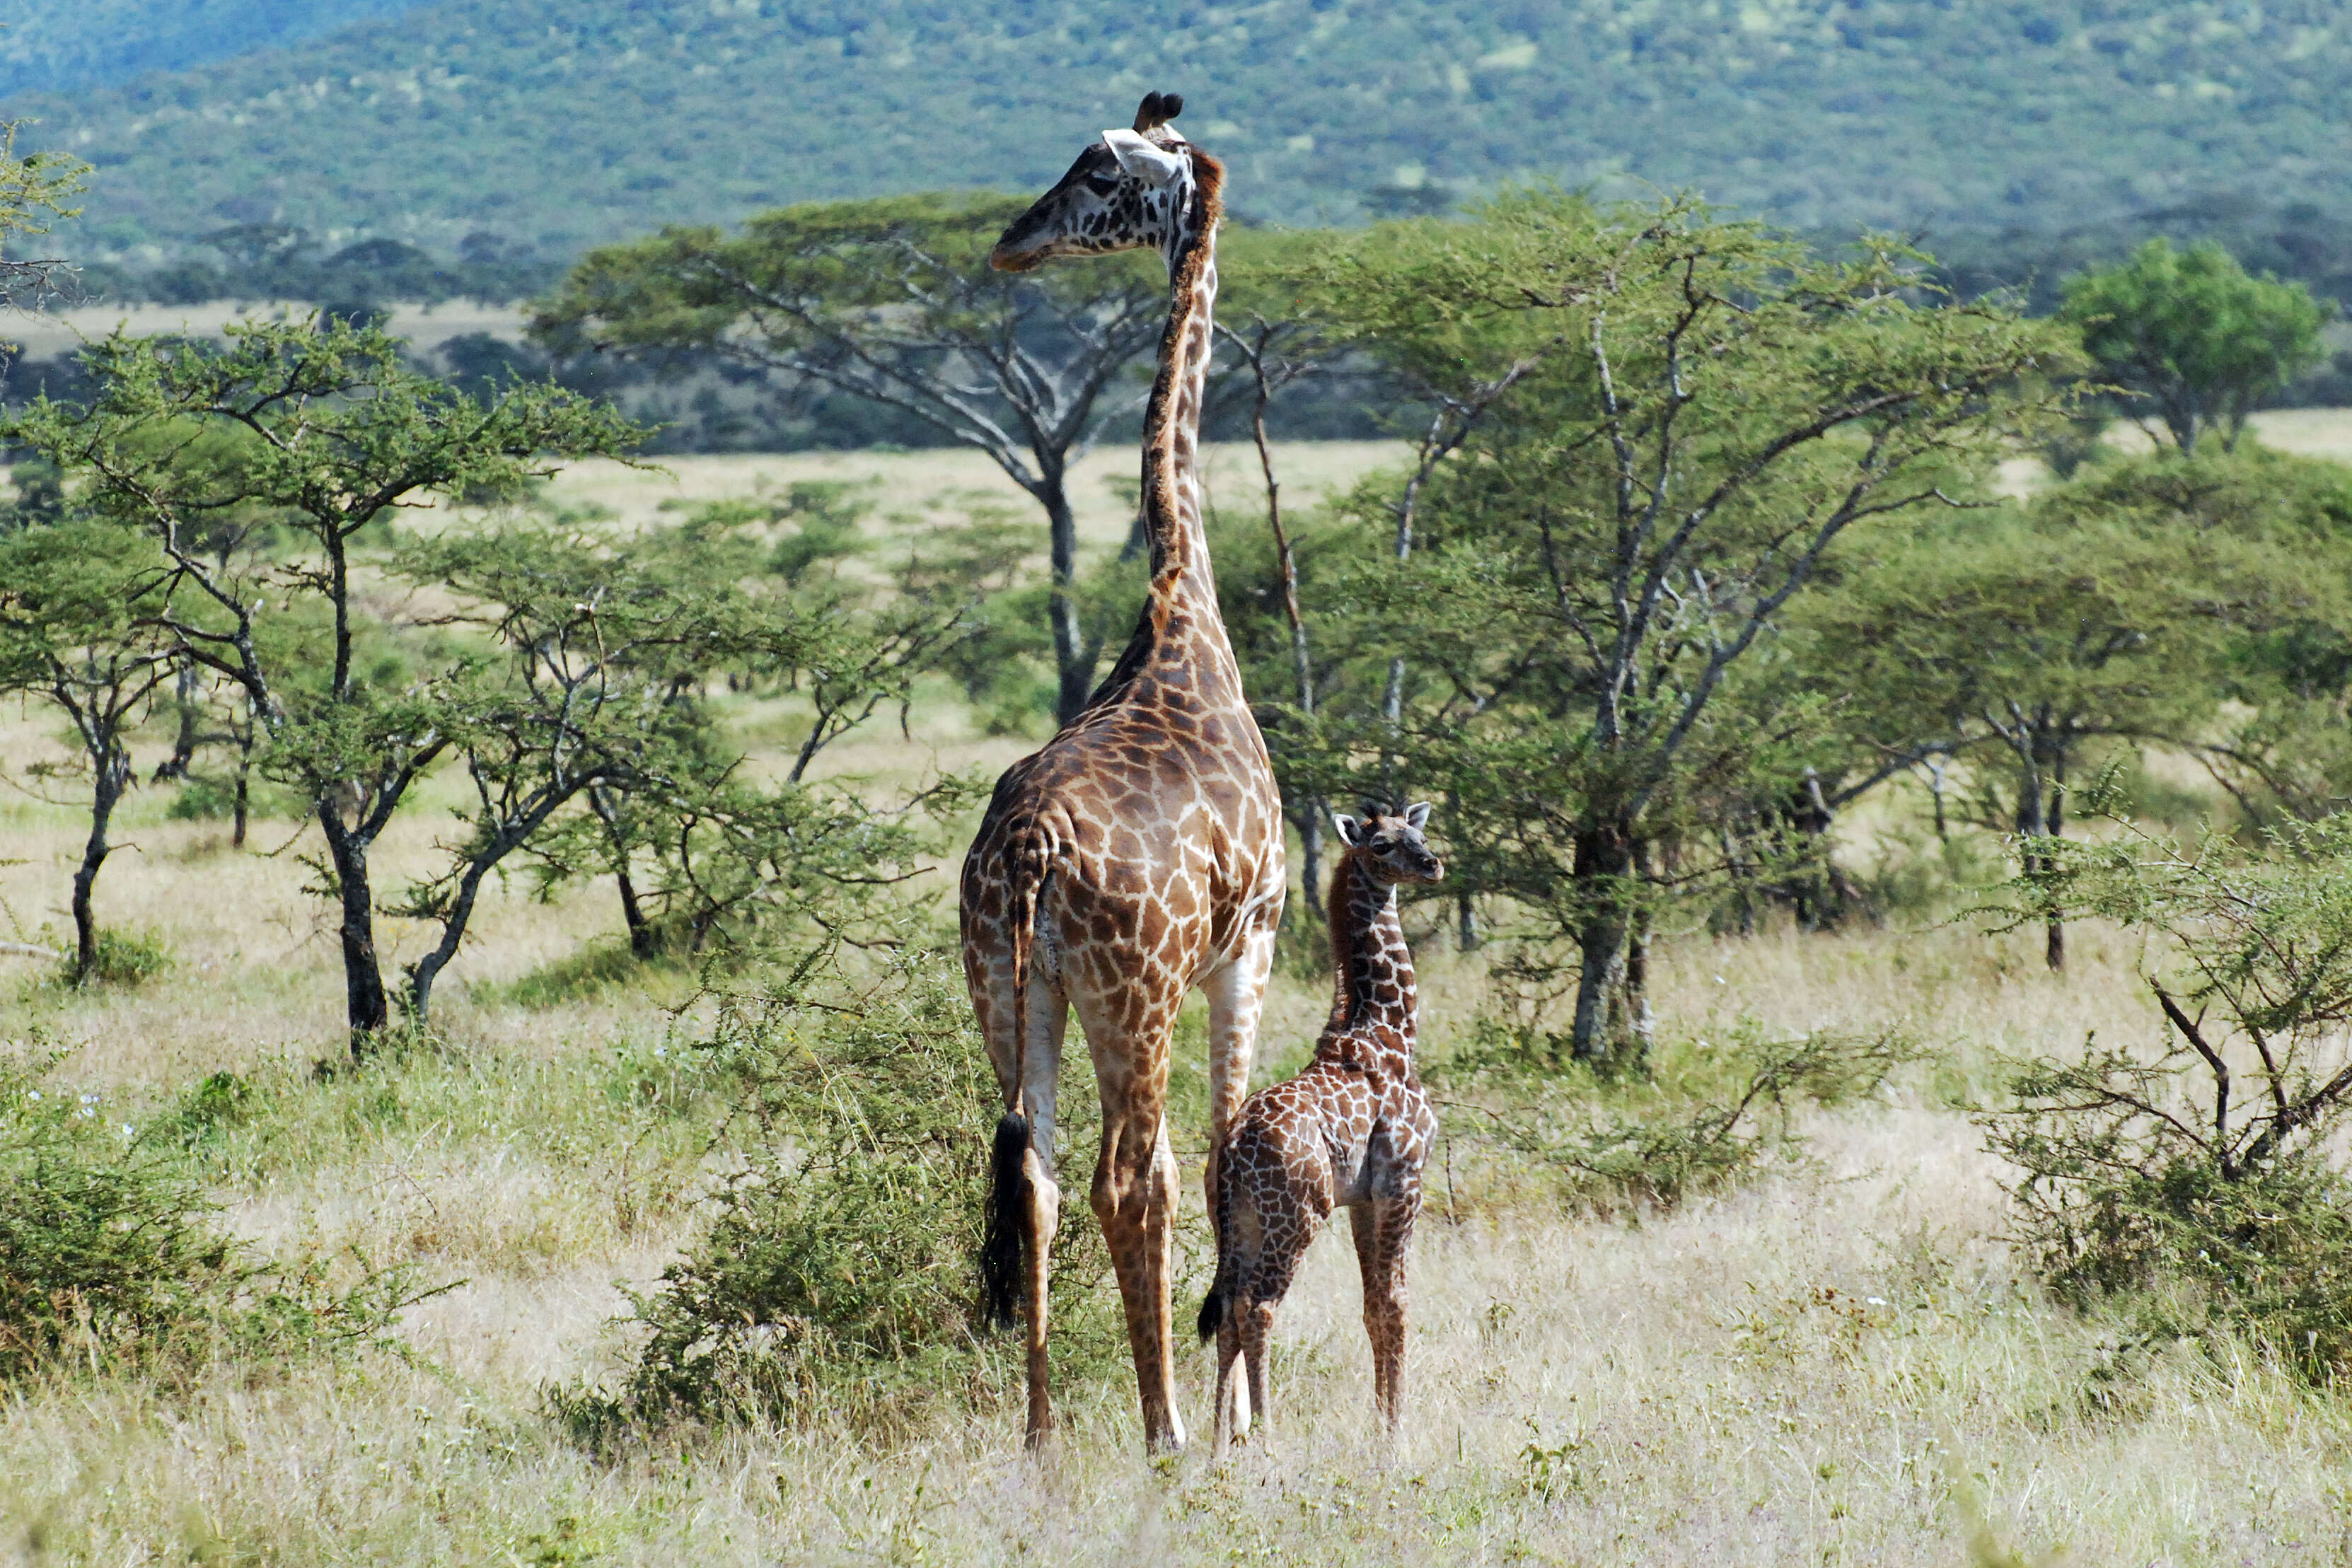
1705 1117
2202 1182
125 958
591 971
836 1276
110 1256
221 1101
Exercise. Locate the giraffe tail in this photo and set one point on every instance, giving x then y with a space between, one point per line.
1002 1259
999 1247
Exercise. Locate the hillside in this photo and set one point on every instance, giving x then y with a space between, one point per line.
53 46
548 124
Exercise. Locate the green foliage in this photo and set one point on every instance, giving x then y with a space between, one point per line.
2111 608
260 470
124 959
835 1282
2203 1178
34 191
1708 1116
1629 481
2189 333
891 302
111 1258
779 593
53 45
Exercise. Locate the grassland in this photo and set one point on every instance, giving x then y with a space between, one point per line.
1837 1362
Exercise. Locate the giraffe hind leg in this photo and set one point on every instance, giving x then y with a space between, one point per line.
1134 1199
1383 1235
1232 1408
1024 1202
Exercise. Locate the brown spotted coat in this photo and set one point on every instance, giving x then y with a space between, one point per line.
1351 1131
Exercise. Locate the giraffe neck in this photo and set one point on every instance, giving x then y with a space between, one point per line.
1375 988
1171 420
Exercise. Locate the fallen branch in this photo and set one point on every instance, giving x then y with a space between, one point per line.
28 950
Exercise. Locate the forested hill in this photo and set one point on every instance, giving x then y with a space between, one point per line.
60 45
549 123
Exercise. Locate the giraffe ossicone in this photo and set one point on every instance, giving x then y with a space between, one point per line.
1351 1131
1139 856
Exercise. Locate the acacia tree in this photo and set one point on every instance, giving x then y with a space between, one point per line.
2189 334
893 301
2038 637
334 434
730 854
596 642
76 599
1691 415
34 191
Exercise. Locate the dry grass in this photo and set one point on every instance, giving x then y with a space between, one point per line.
1820 1366
951 482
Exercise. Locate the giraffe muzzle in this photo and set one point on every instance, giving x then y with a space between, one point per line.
1007 257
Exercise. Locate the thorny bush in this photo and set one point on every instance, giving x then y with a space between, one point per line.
2200 1177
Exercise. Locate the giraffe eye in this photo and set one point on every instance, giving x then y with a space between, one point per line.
1102 184
1383 844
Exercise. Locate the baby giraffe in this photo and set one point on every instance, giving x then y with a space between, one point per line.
1349 1132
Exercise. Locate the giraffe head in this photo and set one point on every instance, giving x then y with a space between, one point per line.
1130 190
1388 840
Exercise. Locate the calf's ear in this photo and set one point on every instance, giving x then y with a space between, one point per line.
1416 816
1351 832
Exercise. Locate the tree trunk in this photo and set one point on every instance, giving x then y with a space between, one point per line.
367 1010
1310 832
111 777
244 738
643 939
2033 823
1604 858
183 743
428 970
1310 858
2054 826
1636 1025
1073 660
1465 915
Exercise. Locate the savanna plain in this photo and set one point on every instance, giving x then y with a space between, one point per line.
1833 1358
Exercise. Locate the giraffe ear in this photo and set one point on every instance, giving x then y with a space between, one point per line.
1139 158
1416 816
1351 832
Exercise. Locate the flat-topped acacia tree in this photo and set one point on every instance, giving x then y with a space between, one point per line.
333 435
893 301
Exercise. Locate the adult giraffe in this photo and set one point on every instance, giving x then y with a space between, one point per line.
1139 855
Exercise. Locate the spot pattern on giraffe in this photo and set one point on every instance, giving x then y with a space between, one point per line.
1351 1131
